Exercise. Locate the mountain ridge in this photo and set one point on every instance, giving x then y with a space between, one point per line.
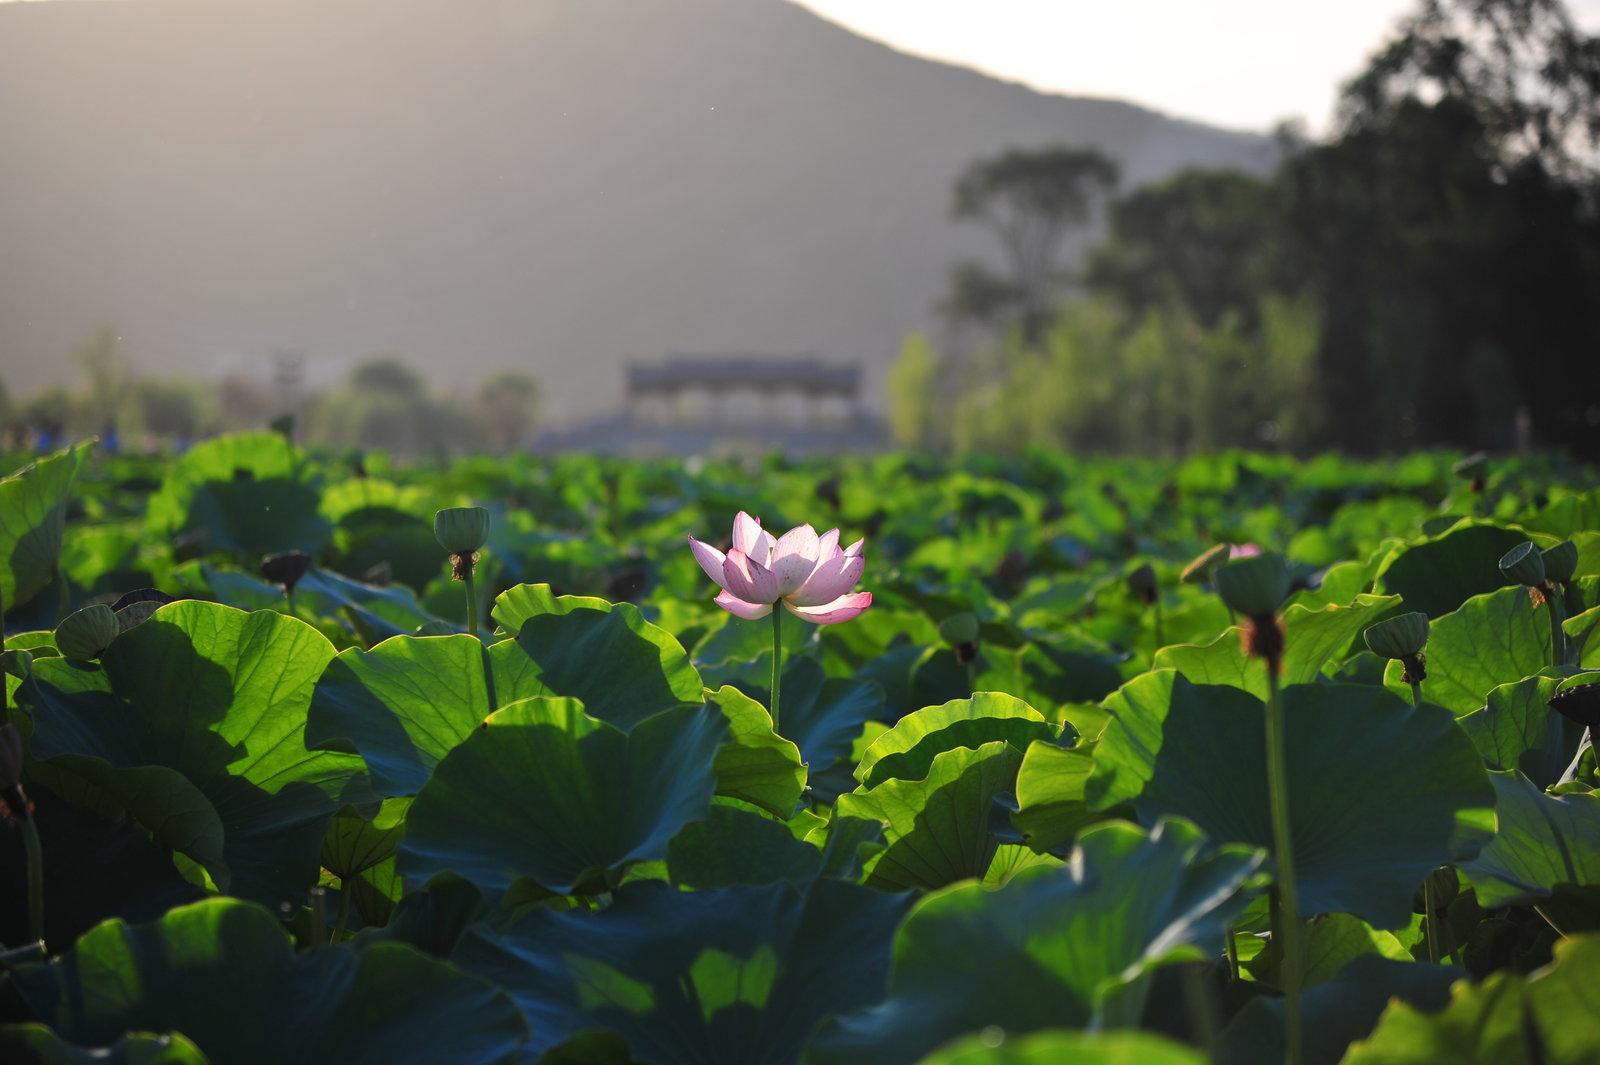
490 184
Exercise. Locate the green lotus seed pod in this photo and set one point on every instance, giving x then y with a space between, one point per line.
461 530
1200 569
959 628
1560 562
87 632
1524 565
1473 467
1254 586
1398 637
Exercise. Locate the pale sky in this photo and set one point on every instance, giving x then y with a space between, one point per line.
1238 63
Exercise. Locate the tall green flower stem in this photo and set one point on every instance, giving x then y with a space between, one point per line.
777 660
465 566
1286 924
1427 906
1553 598
1155 606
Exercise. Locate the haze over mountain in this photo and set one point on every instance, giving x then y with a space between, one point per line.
480 184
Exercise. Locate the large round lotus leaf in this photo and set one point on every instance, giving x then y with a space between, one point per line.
1547 1018
220 697
371 612
1437 575
1050 782
607 655
402 706
1337 1012
908 749
1067 1048
35 1044
1317 640
738 974
1492 639
757 765
823 715
547 792
241 493
1543 843
1380 792
1516 729
225 974
938 829
33 510
1072 945
739 846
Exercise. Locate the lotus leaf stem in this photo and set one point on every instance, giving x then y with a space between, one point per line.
1431 917
35 856
777 660
1286 924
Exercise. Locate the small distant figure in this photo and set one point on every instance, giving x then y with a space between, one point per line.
110 441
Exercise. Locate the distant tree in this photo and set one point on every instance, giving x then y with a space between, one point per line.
100 356
50 411
169 409
1208 239
979 295
509 403
388 375
913 393
1031 200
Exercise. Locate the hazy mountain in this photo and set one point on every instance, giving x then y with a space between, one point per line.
560 184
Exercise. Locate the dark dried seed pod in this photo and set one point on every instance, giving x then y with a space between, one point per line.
1580 703
286 568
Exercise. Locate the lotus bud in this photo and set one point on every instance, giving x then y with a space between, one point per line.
286 568
1524 565
461 530
1560 562
1142 583
1201 568
1255 586
960 631
1399 637
1580 703
87 632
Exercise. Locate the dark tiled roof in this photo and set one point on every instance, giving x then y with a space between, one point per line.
803 372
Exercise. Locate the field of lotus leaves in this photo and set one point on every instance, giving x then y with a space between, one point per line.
1236 759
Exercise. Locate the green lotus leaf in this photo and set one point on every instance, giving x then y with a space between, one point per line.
225 973
1515 729
34 1044
1050 804
1067 1048
823 715
545 791
355 843
1074 945
402 706
1337 1012
620 666
219 696
938 829
241 493
1544 843
1331 942
1439 574
1316 640
908 749
1492 639
1406 793
756 764
33 515
1567 516
737 974
373 613
739 846
1545 1018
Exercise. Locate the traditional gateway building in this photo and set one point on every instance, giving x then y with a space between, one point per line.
711 405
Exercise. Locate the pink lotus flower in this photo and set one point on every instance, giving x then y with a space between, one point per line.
810 574
1243 551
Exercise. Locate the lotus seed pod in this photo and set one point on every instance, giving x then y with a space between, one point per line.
87 632
1560 562
1473 467
1200 569
286 568
1254 586
1580 703
1142 583
1524 565
1398 637
461 530
958 629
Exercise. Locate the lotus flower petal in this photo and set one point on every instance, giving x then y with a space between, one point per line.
741 609
857 547
828 545
748 579
1243 551
710 560
830 580
794 557
841 609
752 539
